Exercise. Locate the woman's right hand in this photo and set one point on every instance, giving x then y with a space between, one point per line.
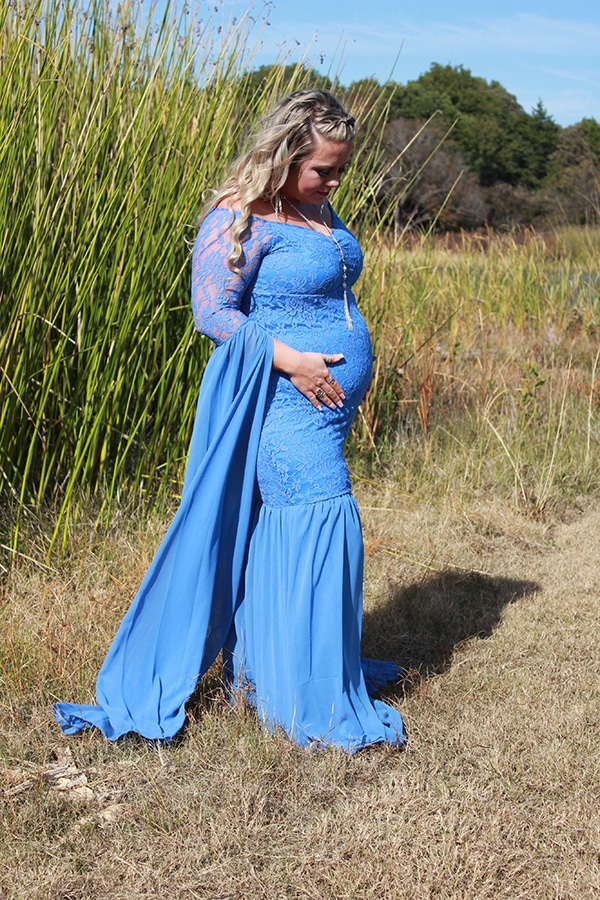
310 374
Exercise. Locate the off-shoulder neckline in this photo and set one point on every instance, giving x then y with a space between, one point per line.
236 212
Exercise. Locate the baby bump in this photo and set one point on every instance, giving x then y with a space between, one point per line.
300 458
330 335
301 451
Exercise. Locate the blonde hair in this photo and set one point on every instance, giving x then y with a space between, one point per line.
284 139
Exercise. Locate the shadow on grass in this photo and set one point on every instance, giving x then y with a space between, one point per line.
420 625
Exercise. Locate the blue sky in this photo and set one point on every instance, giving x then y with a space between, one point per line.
548 51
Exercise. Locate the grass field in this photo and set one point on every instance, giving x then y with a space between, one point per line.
494 613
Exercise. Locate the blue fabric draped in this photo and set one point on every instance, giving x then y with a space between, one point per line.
181 616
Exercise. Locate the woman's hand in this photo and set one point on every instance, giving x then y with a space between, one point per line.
309 373
313 379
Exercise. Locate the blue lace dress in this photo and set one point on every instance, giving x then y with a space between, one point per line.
264 557
297 632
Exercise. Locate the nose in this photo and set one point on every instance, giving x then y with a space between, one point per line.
333 181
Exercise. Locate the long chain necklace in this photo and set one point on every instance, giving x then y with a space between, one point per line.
339 249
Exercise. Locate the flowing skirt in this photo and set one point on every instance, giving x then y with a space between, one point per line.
296 653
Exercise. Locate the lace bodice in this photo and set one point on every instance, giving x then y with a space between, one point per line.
222 299
290 283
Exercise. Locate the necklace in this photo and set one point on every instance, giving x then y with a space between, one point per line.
339 250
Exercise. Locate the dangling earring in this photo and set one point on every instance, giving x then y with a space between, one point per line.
277 205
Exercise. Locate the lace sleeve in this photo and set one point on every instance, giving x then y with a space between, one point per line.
219 296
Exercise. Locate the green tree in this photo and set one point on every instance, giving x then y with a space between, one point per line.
591 132
574 177
290 77
538 139
498 139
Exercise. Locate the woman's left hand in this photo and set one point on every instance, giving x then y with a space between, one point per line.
310 374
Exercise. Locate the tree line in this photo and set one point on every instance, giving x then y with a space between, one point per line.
461 152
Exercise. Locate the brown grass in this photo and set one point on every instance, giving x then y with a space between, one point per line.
495 614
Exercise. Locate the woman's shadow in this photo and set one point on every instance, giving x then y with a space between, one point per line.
420 625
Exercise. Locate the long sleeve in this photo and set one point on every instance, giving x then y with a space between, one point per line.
219 295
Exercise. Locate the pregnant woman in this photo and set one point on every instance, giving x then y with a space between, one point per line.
264 558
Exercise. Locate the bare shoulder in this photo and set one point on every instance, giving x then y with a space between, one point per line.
261 208
264 209
229 203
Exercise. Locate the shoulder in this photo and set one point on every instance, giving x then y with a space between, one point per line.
227 211
259 209
215 225
215 233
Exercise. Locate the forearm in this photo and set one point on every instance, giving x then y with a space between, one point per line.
285 358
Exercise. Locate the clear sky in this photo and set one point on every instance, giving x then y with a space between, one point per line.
548 51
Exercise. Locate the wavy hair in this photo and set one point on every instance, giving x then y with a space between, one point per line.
283 140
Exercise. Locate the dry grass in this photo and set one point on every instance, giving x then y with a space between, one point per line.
496 617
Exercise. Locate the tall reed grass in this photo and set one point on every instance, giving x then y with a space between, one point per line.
113 126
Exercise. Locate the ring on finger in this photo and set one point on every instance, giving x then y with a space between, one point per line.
330 380
320 393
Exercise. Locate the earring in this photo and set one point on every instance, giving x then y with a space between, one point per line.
277 205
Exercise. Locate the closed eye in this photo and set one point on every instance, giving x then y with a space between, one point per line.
323 173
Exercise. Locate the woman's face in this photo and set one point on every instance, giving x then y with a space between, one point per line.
313 179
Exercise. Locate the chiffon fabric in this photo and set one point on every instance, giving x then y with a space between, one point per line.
264 558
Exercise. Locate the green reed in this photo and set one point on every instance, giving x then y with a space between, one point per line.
103 151
112 129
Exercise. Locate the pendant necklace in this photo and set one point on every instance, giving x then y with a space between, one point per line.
339 249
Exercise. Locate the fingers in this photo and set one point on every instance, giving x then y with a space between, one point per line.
332 358
328 392
319 398
333 391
